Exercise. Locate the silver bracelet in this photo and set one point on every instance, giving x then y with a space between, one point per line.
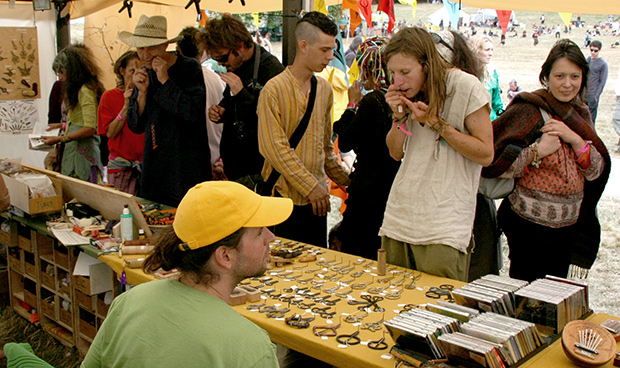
6 196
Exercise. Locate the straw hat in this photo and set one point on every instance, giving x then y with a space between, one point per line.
150 31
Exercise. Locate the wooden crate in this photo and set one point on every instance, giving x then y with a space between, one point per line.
24 243
48 280
102 307
87 329
48 306
30 299
66 317
61 259
30 269
82 283
85 301
15 263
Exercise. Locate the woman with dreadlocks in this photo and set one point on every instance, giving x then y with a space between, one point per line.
364 132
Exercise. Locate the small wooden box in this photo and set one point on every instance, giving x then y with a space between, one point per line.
30 269
15 264
48 306
66 317
5 238
82 283
24 243
102 307
30 299
85 301
87 329
61 259
63 289
48 280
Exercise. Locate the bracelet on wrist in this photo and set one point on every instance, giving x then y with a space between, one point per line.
401 123
65 138
353 105
6 196
536 161
584 149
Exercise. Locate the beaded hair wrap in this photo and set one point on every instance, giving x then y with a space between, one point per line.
370 61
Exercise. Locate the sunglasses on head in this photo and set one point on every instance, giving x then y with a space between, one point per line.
595 50
437 39
224 58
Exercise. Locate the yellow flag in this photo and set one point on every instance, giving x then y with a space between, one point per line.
413 3
566 18
354 71
319 5
255 16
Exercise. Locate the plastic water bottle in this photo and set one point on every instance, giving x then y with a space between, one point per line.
126 224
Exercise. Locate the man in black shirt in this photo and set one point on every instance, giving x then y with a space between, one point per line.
249 66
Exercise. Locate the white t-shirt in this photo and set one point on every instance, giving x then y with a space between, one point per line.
433 197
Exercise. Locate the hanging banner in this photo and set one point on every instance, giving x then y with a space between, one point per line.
566 17
19 67
256 19
413 3
453 13
366 10
339 61
387 6
203 18
354 14
504 18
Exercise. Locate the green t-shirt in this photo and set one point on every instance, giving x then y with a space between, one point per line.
165 323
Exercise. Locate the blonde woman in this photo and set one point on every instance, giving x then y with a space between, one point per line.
442 133
483 47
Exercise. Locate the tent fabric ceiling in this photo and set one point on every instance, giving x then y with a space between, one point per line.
80 8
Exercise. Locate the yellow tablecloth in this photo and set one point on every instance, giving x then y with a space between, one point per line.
328 349
303 340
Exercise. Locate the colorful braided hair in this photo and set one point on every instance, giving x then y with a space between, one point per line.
370 62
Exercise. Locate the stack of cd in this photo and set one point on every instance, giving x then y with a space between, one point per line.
490 293
417 330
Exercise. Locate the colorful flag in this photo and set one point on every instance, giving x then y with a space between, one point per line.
387 6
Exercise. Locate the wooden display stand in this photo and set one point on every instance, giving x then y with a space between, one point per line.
40 278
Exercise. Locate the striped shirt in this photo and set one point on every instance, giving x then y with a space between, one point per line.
281 106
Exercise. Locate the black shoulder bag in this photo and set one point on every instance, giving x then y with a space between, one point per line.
295 138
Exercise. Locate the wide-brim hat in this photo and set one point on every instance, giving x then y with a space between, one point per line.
213 210
150 31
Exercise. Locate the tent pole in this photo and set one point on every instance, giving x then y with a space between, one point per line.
63 31
289 20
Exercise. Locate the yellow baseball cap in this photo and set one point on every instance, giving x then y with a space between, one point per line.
213 210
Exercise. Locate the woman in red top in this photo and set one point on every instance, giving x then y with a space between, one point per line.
126 147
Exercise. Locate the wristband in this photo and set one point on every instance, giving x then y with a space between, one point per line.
65 138
119 117
352 105
536 161
584 149
400 124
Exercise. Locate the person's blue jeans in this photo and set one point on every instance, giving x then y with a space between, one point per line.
593 106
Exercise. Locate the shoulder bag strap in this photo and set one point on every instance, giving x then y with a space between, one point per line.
295 138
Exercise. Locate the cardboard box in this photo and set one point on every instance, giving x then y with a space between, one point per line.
20 197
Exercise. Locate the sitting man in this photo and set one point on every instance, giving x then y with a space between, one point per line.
219 237
513 89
